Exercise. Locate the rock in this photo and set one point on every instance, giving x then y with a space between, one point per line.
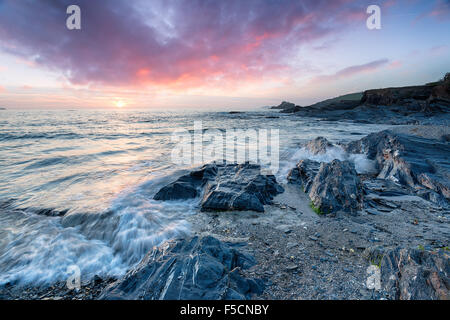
291 267
403 105
240 187
412 274
188 186
396 96
318 145
304 173
226 187
284 228
189 269
287 107
336 187
284 105
412 161
373 212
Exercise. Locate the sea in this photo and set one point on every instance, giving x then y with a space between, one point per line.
77 186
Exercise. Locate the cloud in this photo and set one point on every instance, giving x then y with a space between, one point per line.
441 10
352 71
438 50
395 64
179 44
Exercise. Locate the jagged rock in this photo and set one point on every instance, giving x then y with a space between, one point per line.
336 187
442 90
387 188
412 274
188 186
425 104
189 269
286 107
226 187
240 187
408 160
318 145
396 96
304 173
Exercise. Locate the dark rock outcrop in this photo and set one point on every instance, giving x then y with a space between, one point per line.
304 173
191 269
396 96
425 104
413 274
188 186
240 187
284 106
412 161
226 187
318 145
336 187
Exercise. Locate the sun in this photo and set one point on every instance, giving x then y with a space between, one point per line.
119 104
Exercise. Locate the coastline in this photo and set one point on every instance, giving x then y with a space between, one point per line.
300 254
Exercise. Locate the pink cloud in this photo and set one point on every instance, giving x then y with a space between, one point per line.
441 10
352 71
395 64
178 44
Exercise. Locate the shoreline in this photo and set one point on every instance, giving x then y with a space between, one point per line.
300 254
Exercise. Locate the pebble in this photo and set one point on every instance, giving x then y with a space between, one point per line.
291 267
329 253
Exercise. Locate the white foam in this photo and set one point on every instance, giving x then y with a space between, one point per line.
39 249
363 165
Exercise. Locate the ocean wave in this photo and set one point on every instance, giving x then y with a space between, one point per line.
363 165
39 246
24 136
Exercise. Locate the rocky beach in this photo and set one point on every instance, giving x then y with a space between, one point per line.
324 232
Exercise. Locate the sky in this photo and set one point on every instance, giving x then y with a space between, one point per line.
216 54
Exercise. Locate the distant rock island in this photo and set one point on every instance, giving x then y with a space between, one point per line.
422 104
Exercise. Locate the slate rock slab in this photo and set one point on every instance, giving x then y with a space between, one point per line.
336 187
407 160
413 274
225 187
199 268
304 173
240 187
188 186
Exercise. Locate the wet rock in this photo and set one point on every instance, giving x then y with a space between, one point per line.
240 187
193 269
318 145
304 173
188 186
412 161
412 274
225 187
336 187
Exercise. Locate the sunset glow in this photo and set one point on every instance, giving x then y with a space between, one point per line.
119 104
178 54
